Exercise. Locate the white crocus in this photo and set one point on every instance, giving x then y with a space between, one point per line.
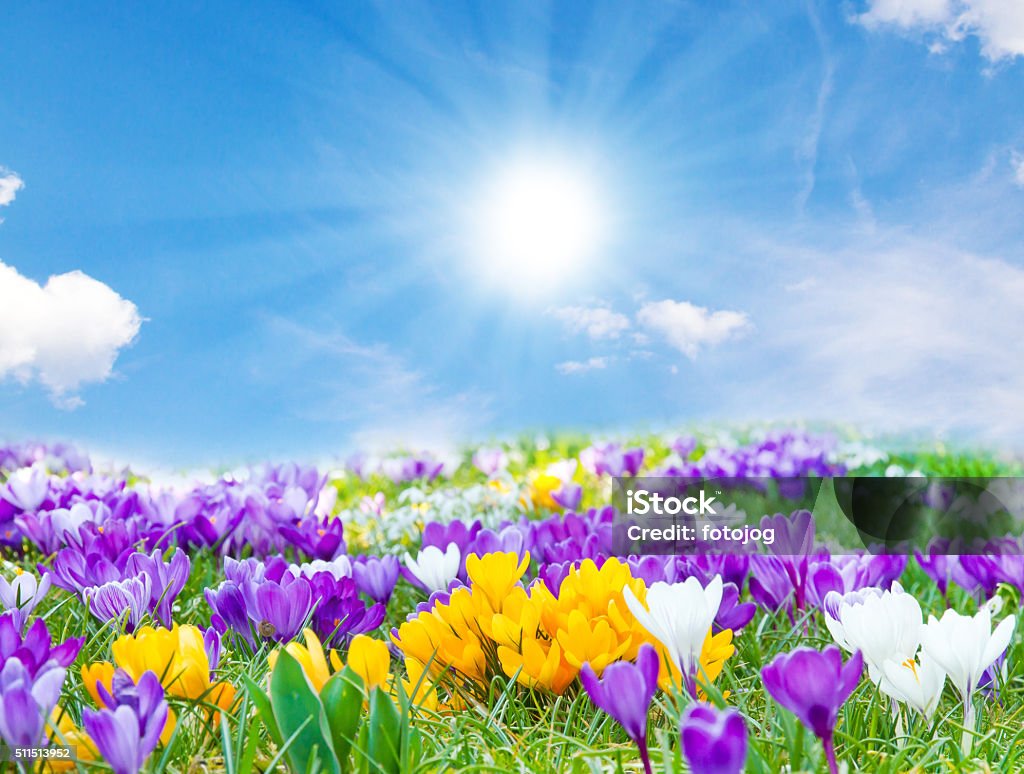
965 646
917 683
882 625
679 616
27 488
23 592
435 568
341 567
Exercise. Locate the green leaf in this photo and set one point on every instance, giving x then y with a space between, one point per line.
266 712
384 739
298 712
342 697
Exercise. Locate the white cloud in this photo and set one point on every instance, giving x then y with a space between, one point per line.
597 322
10 184
582 366
899 334
908 13
1017 162
998 24
688 327
65 334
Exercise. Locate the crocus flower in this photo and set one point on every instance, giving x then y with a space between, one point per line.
23 593
321 537
339 567
128 728
376 576
311 657
917 683
112 600
490 461
814 685
679 616
338 611
625 691
964 647
34 648
27 699
714 741
166 579
568 496
178 655
27 488
612 460
882 625
370 659
434 569
282 608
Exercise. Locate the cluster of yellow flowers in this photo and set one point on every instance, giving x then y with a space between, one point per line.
370 659
495 626
176 655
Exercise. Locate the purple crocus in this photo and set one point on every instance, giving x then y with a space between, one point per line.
376 576
282 608
813 685
625 691
319 537
34 650
166 579
339 613
714 741
31 676
112 600
26 700
128 729
732 614
568 495
490 461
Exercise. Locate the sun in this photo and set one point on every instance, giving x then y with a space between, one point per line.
538 225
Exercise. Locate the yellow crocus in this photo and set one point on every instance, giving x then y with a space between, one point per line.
422 692
311 658
100 672
540 490
590 641
178 657
370 659
539 664
495 575
62 729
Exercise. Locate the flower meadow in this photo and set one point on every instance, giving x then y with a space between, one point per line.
417 612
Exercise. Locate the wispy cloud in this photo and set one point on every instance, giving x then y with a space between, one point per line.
379 399
859 202
1017 164
570 367
899 333
64 334
807 152
597 322
998 24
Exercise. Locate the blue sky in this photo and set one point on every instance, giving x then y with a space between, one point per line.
805 211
